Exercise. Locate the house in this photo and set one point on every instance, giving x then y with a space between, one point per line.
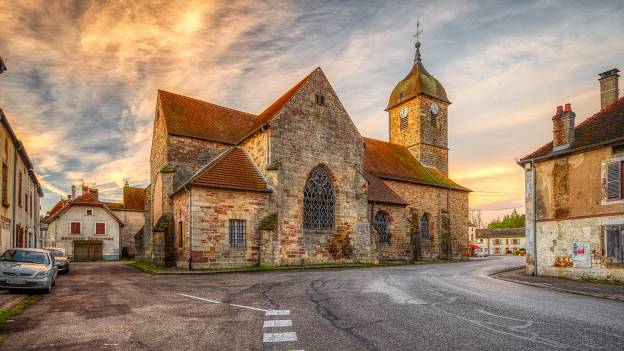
501 241
90 228
20 192
575 195
298 184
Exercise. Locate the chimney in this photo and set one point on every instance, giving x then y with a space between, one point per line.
563 127
73 194
609 90
95 192
85 189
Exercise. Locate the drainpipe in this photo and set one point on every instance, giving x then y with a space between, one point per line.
534 217
190 227
18 146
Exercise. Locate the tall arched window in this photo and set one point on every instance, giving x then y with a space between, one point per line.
380 223
319 201
425 227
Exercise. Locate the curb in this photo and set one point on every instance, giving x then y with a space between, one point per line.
554 288
13 302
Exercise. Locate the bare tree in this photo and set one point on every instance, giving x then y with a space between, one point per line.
475 218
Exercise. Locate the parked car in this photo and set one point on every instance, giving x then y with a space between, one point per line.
31 269
482 252
60 258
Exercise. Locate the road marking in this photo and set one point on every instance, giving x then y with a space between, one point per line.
229 304
278 323
280 337
277 313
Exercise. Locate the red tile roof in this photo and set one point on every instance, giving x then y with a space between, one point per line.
86 198
133 198
231 170
378 191
392 161
188 117
605 126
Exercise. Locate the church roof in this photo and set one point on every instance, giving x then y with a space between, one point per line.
233 169
603 127
378 191
188 117
418 81
394 162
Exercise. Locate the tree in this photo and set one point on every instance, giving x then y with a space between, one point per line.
513 220
475 218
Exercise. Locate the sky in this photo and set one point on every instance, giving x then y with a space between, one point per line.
80 90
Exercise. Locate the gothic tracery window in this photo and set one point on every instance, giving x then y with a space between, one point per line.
380 223
319 201
424 225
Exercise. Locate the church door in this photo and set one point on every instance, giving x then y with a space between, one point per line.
446 249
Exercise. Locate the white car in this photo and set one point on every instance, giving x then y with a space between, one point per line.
31 269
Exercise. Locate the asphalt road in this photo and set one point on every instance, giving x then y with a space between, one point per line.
104 306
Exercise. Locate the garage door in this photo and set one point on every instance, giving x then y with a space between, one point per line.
87 250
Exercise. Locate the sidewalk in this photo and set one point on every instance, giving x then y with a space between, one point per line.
613 291
8 300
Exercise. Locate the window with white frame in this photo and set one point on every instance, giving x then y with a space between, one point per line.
237 232
75 227
100 228
612 179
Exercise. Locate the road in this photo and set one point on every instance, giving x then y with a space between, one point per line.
453 306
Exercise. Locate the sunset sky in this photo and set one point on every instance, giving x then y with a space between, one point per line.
80 89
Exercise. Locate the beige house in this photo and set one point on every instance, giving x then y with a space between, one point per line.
504 241
575 193
90 229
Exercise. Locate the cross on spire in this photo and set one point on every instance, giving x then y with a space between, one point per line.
417 57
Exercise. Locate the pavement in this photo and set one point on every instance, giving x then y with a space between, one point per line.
8 299
602 290
453 306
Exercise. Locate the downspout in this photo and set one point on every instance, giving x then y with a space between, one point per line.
17 147
534 180
190 227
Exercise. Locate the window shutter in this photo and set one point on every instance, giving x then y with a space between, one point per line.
613 180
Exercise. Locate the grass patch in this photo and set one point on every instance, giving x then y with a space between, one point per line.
17 309
603 281
149 267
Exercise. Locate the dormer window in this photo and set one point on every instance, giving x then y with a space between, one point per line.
320 99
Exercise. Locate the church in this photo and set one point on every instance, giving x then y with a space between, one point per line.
298 184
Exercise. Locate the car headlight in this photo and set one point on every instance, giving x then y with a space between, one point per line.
41 275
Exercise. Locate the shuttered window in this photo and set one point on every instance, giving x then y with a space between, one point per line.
75 227
5 184
100 228
615 243
612 180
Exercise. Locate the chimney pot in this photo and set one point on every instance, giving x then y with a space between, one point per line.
559 110
568 107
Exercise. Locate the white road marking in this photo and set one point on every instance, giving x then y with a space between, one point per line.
277 313
280 337
278 323
229 304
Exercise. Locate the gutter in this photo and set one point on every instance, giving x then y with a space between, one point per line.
534 180
556 154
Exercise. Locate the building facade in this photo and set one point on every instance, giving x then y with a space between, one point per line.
504 241
574 193
298 184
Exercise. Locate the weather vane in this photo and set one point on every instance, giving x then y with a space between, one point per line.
418 31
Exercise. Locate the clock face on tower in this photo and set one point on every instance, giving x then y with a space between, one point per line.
404 112
434 108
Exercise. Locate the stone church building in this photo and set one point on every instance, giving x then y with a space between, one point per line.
298 184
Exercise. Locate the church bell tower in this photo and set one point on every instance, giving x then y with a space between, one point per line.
418 113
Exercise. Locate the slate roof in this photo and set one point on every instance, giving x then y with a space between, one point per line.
501 233
603 127
378 191
392 161
233 169
188 117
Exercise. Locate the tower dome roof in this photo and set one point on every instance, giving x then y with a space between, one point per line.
418 81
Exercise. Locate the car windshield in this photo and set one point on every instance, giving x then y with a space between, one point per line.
56 253
25 256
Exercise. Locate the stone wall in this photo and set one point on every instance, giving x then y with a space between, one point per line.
189 155
304 135
133 221
211 211
433 200
399 245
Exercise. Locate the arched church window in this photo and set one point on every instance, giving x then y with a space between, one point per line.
424 225
380 223
319 201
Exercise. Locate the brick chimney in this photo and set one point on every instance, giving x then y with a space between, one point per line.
609 90
563 127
